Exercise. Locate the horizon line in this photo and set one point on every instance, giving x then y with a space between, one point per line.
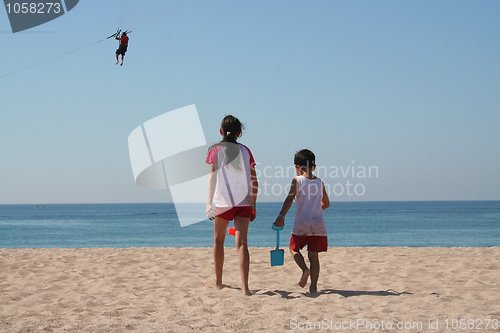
264 202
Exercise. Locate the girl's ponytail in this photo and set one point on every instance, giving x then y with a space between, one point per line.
231 129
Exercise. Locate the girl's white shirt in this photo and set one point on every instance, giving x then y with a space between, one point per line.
233 185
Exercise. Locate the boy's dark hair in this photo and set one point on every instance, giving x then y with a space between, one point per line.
304 158
231 128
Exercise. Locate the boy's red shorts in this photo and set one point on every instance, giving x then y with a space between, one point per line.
314 243
230 213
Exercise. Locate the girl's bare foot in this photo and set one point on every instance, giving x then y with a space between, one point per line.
214 285
303 279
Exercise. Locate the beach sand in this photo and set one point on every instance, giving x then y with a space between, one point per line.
162 290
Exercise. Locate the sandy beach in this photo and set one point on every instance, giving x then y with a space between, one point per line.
162 290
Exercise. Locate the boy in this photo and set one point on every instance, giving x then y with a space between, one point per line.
309 227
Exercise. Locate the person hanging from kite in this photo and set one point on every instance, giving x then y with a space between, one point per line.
122 48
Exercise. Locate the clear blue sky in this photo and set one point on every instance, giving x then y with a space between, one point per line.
412 87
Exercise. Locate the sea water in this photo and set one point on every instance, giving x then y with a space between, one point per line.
442 224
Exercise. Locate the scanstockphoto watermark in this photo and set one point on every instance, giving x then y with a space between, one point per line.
180 167
348 180
364 324
354 325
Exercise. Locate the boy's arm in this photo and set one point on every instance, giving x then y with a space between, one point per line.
211 191
325 201
280 220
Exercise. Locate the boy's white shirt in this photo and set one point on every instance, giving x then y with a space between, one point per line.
309 219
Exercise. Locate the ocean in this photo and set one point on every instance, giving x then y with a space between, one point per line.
432 223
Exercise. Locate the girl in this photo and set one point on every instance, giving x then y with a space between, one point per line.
232 194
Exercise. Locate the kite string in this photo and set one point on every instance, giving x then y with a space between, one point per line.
51 59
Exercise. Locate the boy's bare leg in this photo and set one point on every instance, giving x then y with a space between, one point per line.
314 262
123 57
241 226
220 226
299 259
117 61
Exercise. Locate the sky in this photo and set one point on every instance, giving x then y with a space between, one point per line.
410 89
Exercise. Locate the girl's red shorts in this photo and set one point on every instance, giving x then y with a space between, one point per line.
230 213
314 243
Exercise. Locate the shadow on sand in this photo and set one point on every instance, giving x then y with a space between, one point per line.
343 293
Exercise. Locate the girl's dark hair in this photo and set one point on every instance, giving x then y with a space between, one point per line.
231 128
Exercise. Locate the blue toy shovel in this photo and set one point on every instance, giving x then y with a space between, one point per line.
277 255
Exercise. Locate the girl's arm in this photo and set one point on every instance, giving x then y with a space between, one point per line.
253 192
211 190
280 220
325 201
255 186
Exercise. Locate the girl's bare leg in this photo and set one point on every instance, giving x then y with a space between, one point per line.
241 226
220 226
314 262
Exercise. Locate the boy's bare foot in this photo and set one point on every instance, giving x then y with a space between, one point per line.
313 291
303 279
214 285
247 293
